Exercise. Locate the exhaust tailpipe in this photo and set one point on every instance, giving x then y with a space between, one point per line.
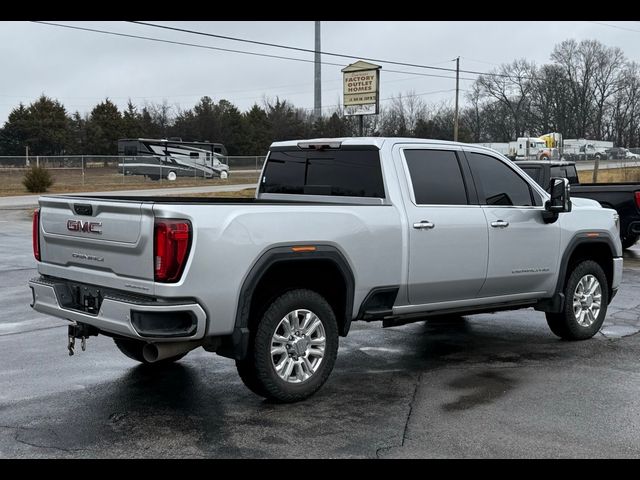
154 352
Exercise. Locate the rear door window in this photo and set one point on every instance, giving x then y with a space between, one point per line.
436 177
350 173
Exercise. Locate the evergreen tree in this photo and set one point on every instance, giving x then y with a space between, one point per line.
105 127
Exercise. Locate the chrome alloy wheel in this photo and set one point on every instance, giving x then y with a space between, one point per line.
587 299
297 346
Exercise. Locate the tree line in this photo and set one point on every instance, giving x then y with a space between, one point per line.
587 90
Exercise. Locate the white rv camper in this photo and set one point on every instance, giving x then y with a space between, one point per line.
171 158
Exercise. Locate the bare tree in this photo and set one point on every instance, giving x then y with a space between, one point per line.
401 117
626 107
472 117
161 115
579 62
510 85
610 62
551 105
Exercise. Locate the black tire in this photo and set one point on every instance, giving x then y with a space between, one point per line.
257 370
133 350
629 241
564 324
154 177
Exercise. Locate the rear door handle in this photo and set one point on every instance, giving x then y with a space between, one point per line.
422 225
500 224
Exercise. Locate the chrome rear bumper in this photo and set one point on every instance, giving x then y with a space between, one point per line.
114 315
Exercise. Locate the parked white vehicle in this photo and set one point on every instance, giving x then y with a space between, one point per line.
345 229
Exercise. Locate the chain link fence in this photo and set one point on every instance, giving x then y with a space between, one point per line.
96 172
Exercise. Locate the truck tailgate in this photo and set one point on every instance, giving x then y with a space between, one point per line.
101 242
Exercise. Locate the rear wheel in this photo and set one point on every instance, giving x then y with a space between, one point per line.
629 241
292 349
133 350
171 176
586 299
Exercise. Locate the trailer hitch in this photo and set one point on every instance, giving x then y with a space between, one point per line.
81 331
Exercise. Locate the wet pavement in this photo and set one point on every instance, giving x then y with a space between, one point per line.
494 385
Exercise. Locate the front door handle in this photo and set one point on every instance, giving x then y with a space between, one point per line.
424 224
500 224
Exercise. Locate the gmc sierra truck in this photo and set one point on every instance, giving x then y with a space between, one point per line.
390 229
624 198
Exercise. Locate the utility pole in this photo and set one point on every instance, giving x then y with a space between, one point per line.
455 117
26 160
317 104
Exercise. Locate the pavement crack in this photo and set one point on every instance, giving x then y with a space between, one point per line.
413 399
408 419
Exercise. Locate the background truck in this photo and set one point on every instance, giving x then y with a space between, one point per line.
624 198
372 229
545 147
576 149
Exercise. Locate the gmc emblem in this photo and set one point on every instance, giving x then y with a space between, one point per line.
87 227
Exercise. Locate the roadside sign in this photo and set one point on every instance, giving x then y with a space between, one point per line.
361 93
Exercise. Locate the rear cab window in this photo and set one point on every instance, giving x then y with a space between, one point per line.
534 172
566 171
333 172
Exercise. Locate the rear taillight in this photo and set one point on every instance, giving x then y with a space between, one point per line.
172 239
638 199
35 234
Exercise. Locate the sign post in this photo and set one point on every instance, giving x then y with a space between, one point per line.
361 92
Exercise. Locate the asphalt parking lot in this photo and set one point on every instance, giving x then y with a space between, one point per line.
494 385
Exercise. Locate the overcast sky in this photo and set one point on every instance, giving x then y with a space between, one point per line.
82 68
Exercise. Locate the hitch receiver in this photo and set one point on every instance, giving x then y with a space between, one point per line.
81 331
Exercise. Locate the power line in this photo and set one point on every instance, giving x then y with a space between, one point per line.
307 50
616 26
480 61
209 47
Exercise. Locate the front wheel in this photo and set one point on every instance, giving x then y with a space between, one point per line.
585 304
292 349
629 241
171 176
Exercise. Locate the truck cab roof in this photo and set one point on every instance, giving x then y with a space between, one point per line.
376 142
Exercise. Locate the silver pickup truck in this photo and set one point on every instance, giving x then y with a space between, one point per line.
371 229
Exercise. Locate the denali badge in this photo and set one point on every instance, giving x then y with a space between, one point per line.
84 256
81 226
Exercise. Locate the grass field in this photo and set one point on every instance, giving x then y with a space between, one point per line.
70 180
612 175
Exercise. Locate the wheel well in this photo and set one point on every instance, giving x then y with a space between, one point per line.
320 275
598 252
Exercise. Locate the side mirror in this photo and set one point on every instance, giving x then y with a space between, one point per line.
560 200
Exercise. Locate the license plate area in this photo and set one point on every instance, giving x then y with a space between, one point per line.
83 298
